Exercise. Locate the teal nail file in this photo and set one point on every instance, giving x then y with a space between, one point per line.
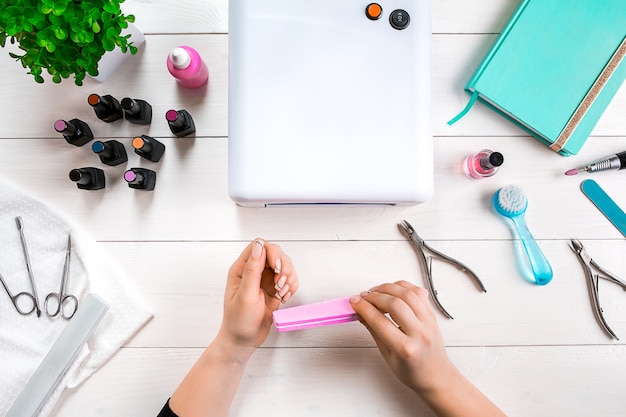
605 204
58 360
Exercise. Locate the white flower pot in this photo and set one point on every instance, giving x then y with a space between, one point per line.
111 60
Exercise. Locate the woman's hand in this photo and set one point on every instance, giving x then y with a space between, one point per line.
411 344
405 329
258 281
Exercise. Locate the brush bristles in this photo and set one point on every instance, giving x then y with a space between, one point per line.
512 199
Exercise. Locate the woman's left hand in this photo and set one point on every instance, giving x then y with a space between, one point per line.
258 281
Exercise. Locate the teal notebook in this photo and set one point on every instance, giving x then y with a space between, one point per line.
555 68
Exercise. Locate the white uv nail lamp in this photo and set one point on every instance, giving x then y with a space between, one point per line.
329 102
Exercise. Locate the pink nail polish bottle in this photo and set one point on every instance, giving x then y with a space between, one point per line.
187 66
482 164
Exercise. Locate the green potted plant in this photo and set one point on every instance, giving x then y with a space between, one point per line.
64 37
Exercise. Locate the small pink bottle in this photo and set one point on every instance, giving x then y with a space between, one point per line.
482 164
187 66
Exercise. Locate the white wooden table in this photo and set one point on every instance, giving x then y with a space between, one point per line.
536 351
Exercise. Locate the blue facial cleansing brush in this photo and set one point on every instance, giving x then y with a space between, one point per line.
511 202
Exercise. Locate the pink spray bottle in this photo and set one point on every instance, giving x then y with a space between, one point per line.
187 66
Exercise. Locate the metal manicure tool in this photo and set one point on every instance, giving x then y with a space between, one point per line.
20 227
23 307
592 282
60 300
419 245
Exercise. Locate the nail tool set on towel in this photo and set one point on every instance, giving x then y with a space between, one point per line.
56 303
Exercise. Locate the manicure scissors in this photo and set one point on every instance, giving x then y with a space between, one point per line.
20 226
24 307
592 282
56 302
420 246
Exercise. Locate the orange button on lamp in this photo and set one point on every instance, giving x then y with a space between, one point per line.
373 11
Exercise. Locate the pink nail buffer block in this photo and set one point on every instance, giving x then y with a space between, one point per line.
314 315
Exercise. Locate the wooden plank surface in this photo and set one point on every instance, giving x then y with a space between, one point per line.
536 351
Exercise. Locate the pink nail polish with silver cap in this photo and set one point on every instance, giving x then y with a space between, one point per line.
482 164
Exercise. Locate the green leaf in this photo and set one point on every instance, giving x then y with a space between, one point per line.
59 7
38 20
69 14
92 48
94 14
112 7
96 27
46 39
60 33
56 20
108 44
45 9
75 24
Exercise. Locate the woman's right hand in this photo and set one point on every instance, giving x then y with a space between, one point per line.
404 326
411 344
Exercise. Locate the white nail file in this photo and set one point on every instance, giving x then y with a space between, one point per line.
58 360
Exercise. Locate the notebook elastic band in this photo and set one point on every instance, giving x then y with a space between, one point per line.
590 97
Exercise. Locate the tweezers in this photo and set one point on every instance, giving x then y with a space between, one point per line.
419 245
592 283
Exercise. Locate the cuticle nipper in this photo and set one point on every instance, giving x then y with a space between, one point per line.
592 283
419 245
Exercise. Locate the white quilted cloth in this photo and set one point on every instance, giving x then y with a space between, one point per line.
25 340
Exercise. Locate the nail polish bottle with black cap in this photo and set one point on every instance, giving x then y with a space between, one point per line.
180 122
75 131
137 111
106 107
110 152
140 179
88 178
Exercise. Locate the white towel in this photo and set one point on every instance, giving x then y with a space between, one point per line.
25 340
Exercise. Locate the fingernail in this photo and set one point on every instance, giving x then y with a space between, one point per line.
281 282
355 299
365 293
284 290
257 248
278 266
285 297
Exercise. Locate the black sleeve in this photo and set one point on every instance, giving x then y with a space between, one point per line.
167 411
